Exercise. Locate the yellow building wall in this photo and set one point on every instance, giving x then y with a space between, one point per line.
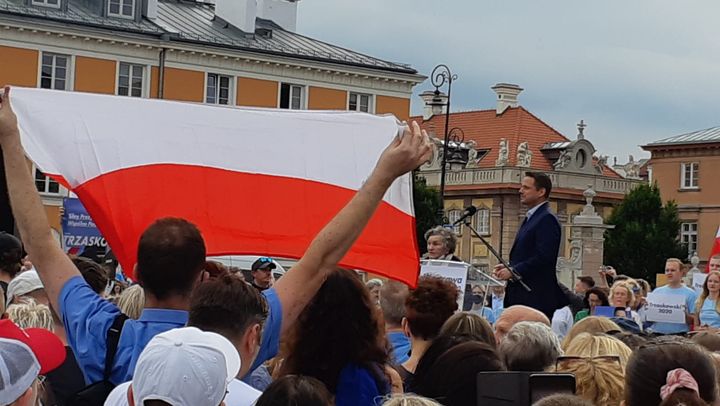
257 92
154 82
398 106
53 215
184 85
18 67
95 75
320 98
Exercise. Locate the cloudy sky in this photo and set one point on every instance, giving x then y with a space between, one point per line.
635 71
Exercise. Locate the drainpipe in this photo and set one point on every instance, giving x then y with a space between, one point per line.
161 74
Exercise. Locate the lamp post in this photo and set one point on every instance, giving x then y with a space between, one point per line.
441 76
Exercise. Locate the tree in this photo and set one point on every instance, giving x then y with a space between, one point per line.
646 234
427 209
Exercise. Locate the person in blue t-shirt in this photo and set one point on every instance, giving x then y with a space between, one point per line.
675 271
392 303
707 308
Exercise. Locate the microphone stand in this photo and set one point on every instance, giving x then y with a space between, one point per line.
515 276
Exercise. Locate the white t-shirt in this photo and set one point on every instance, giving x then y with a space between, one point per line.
239 394
118 396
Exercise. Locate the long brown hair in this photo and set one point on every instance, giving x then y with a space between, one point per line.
705 294
340 326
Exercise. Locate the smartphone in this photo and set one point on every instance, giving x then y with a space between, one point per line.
520 388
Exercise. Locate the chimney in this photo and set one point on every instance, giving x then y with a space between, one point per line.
281 12
150 9
507 96
430 97
238 13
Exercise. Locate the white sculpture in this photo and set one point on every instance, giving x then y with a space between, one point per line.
503 155
563 160
524 155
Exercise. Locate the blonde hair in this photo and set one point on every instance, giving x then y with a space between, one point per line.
31 314
132 301
623 285
705 294
588 345
410 400
598 381
592 325
676 261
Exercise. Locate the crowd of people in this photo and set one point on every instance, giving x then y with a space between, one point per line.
193 332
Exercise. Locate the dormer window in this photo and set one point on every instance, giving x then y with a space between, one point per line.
46 3
121 8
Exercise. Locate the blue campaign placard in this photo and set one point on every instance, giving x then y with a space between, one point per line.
79 230
604 311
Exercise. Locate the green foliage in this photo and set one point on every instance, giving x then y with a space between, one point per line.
427 208
646 234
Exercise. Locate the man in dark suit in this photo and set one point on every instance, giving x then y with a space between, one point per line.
535 250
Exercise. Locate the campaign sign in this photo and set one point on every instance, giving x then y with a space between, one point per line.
79 231
698 281
455 272
666 308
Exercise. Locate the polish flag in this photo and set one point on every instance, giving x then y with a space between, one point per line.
255 181
715 249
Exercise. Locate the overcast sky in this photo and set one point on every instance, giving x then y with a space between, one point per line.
635 71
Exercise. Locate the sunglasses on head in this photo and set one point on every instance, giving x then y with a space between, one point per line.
265 259
567 360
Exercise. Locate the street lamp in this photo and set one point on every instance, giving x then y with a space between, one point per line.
457 150
440 76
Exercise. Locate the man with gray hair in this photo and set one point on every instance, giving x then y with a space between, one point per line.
392 303
530 347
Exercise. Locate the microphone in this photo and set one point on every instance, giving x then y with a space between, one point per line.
469 211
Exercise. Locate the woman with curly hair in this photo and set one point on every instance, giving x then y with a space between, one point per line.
339 340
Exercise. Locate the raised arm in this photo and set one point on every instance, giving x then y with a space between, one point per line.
53 266
299 285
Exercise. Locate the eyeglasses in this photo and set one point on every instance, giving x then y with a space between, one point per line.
566 361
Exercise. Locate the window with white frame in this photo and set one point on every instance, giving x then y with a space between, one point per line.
689 174
54 71
46 3
360 102
217 90
44 184
292 96
130 79
121 8
453 216
689 236
481 221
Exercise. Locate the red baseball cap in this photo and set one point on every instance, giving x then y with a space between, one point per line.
47 347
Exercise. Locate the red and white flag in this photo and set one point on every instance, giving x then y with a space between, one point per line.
255 181
715 249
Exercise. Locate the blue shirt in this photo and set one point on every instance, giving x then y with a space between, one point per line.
357 387
498 305
675 328
487 314
87 317
400 345
708 315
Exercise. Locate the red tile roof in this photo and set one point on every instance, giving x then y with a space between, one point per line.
487 128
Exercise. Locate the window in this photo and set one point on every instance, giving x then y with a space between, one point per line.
359 102
44 184
481 221
291 97
47 3
688 236
130 79
453 216
689 175
218 89
121 8
54 71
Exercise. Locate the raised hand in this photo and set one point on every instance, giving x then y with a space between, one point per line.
8 120
405 153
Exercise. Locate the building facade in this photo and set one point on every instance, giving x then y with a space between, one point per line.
684 167
506 142
224 52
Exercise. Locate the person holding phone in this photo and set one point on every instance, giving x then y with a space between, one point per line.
707 307
621 295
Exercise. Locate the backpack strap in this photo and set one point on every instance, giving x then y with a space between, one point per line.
111 343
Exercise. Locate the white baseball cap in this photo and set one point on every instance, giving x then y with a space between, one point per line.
185 367
22 284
